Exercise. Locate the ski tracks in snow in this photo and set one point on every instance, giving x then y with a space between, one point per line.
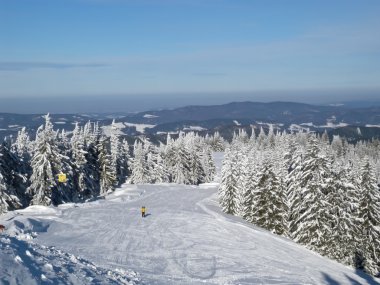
185 239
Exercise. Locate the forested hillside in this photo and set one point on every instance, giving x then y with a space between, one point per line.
323 195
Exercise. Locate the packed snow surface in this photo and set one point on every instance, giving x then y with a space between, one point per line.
185 239
32 264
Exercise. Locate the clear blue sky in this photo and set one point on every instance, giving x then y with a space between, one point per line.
95 47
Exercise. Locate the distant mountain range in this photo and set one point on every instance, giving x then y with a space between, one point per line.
354 123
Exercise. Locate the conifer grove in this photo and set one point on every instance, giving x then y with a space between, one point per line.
324 195
95 164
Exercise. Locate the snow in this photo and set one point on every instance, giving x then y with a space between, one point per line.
139 127
329 124
149 116
307 124
297 128
270 124
29 263
236 123
107 130
185 239
194 128
170 133
39 210
372 126
333 125
60 123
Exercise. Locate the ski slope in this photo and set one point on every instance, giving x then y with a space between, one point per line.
32 264
185 239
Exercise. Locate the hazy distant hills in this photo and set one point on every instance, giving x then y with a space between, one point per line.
276 112
351 122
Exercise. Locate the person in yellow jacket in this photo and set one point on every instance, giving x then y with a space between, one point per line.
143 211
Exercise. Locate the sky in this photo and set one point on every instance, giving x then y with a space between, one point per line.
192 51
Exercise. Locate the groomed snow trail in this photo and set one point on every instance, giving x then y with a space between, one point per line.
185 239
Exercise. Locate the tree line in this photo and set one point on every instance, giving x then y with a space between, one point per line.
321 194
94 164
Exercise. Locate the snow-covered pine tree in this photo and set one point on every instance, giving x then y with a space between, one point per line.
312 226
126 158
4 196
270 209
228 191
208 164
78 162
22 145
107 177
249 181
261 139
67 190
91 170
139 169
22 148
369 213
12 182
162 175
196 172
177 159
13 172
116 155
271 137
150 161
63 143
46 164
217 143
344 201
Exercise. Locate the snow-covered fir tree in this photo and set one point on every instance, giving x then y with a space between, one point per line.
22 148
107 178
78 161
312 225
228 190
216 142
12 181
126 158
139 167
269 208
117 155
369 214
208 164
46 165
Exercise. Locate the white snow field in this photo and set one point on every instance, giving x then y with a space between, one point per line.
185 239
26 263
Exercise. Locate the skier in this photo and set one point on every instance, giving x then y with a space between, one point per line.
143 211
2 228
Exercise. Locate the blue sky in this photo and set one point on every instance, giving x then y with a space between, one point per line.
73 48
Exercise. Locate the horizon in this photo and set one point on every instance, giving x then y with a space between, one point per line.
187 52
120 104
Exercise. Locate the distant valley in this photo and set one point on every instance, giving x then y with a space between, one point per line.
350 122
